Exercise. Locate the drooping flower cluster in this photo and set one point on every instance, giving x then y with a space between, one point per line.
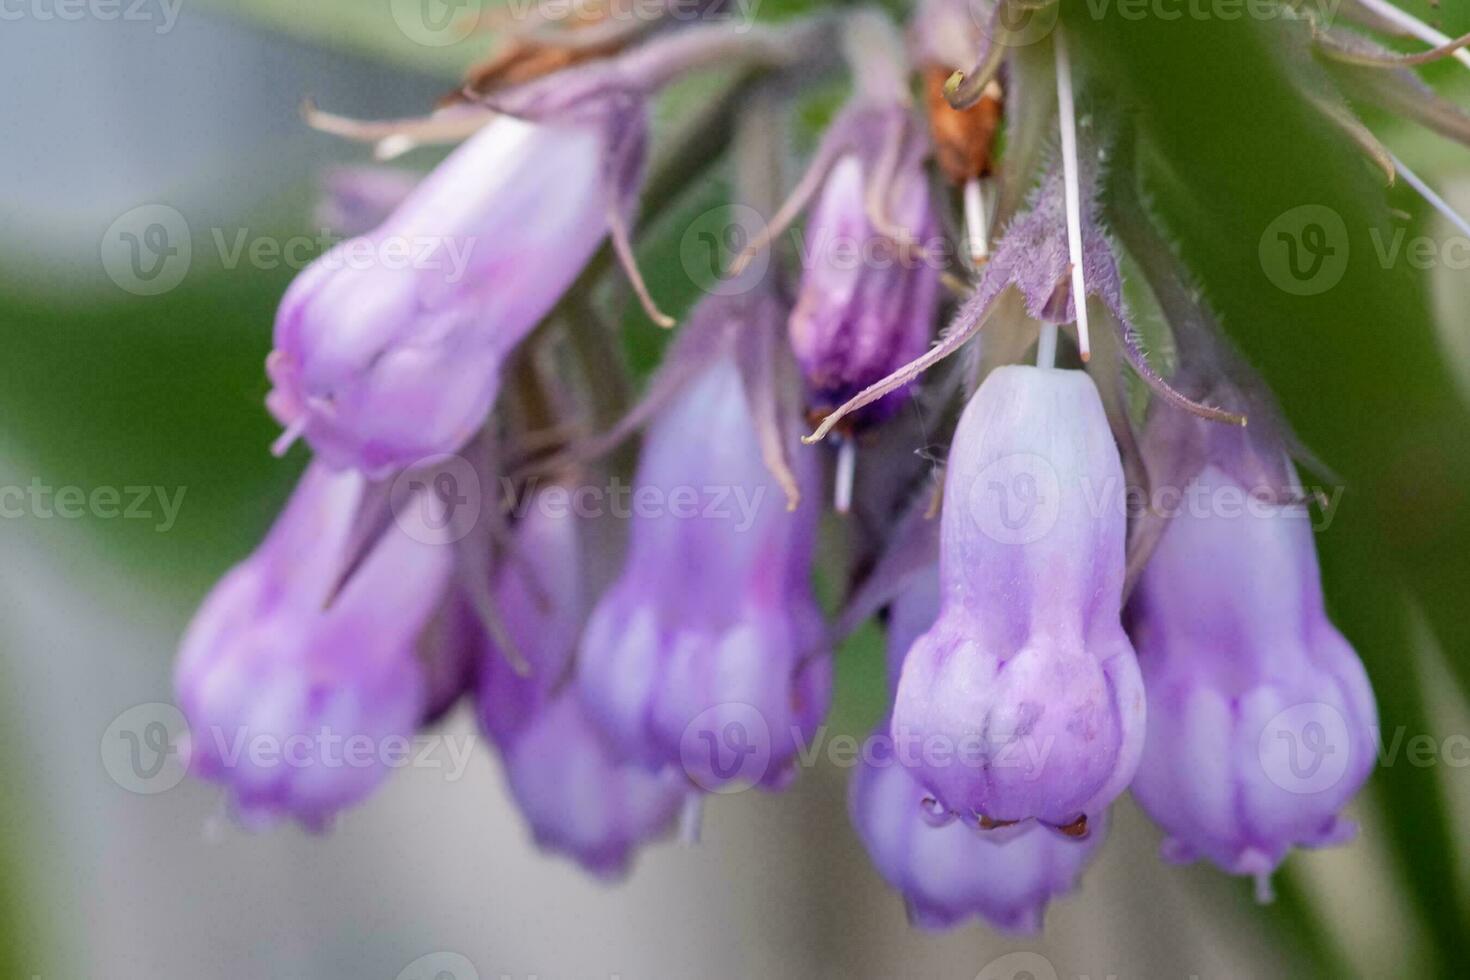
307 647
1242 666
947 869
707 651
576 796
1027 678
629 654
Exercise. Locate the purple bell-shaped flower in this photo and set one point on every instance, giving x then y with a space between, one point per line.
707 653
388 347
578 800
868 298
300 673
1023 700
1262 723
946 870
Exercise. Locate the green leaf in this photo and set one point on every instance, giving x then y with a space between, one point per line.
1355 361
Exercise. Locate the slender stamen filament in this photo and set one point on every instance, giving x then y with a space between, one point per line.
1067 110
1046 346
288 438
846 473
1415 26
691 819
394 137
1438 203
977 221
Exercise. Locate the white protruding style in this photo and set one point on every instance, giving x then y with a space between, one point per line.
846 472
1067 111
1429 194
977 221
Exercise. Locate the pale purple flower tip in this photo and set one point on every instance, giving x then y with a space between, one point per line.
449 650
1025 696
295 683
389 346
576 798
954 871
1262 724
867 305
355 200
949 33
578 801
707 651
948 870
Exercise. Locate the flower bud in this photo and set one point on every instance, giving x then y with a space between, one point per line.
293 680
577 799
389 346
868 303
1024 696
706 651
1261 718
355 200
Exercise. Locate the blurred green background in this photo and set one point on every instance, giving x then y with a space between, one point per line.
99 387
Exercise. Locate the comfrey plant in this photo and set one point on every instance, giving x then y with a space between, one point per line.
947 869
641 630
